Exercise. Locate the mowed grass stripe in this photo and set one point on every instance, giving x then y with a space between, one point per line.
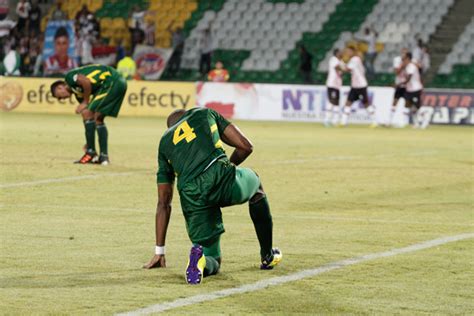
294 276
67 179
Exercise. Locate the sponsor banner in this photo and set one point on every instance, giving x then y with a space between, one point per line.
450 106
142 98
289 102
151 61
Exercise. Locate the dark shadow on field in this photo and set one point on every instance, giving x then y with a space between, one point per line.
92 279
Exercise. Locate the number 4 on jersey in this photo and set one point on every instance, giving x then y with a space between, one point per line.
183 131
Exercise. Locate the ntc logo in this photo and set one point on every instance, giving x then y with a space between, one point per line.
303 99
309 99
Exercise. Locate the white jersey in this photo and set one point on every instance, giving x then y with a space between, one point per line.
415 81
397 61
357 73
334 79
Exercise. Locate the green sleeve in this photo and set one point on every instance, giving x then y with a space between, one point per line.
165 172
221 122
70 79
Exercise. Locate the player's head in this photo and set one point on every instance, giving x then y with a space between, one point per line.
351 51
219 65
175 117
59 90
61 42
407 57
337 53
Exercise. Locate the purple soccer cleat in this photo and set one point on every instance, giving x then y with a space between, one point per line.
196 265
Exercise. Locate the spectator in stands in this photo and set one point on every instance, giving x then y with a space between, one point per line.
219 74
425 60
34 18
305 64
12 62
127 66
60 62
417 52
137 18
120 51
6 25
23 51
370 37
81 17
177 42
58 14
22 9
206 52
38 66
150 33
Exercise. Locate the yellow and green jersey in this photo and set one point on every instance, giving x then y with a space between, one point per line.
100 76
190 146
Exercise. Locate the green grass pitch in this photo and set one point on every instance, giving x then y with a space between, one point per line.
77 246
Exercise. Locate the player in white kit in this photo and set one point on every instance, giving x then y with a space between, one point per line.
358 87
333 84
414 88
400 89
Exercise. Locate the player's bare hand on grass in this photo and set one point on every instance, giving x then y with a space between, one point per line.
81 107
158 261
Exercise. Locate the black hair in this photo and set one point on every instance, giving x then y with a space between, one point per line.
60 32
335 51
55 84
175 117
409 55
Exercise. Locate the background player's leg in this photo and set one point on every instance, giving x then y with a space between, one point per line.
102 133
212 253
328 114
89 126
345 114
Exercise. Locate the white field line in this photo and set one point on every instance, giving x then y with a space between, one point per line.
67 179
191 300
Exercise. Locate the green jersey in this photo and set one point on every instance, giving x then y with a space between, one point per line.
190 146
100 76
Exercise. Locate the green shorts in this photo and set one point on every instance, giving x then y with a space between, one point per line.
108 100
223 184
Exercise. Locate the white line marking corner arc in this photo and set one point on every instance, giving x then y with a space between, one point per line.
182 302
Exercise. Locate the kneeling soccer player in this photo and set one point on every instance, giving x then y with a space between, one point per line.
207 181
100 91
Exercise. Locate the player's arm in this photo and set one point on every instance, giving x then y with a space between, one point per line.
162 219
232 136
86 85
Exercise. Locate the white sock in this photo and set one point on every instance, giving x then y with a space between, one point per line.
345 115
328 113
371 110
426 112
392 115
406 115
335 114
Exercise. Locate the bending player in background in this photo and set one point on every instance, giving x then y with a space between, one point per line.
207 181
333 84
100 91
358 87
421 115
400 89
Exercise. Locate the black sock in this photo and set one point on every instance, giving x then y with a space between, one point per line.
212 266
262 220
103 135
89 126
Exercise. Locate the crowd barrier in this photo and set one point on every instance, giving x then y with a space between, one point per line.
246 101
